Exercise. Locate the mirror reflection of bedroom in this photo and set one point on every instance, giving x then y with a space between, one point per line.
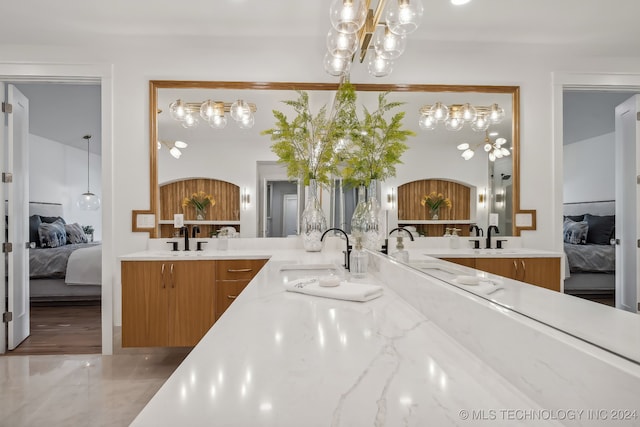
64 219
589 201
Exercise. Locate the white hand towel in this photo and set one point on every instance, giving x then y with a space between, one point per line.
345 290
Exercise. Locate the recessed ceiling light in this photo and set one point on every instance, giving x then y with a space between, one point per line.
493 134
459 2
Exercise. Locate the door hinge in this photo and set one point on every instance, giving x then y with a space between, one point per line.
7 177
7 247
7 317
638 116
7 108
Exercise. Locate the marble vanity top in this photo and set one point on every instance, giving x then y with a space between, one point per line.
286 359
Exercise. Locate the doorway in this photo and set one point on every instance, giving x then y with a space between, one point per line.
585 147
83 74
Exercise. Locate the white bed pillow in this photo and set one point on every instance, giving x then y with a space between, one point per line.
52 234
75 234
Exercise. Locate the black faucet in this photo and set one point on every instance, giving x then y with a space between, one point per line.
195 229
402 229
347 253
479 231
491 227
185 230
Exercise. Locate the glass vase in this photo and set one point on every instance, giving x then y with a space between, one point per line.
314 223
201 214
434 214
357 219
372 238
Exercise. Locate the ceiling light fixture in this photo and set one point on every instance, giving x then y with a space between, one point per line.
495 148
88 201
174 149
213 112
455 116
355 26
459 2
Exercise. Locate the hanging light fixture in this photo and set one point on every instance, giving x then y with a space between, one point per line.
455 116
495 149
88 201
213 112
355 26
174 149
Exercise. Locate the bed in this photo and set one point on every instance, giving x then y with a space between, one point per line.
68 272
588 230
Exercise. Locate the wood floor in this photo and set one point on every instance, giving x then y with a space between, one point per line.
70 329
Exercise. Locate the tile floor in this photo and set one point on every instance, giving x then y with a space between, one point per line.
82 390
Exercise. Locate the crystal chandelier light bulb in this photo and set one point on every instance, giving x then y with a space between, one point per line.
247 122
218 121
180 144
481 123
379 67
89 202
207 109
487 147
468 154
453 124
468 113
175 152
389 45
500 142
347 16
427 122
463 146
439 111
492 157
404 16
335 65
189 121
496 114
178 109
239 109
341 44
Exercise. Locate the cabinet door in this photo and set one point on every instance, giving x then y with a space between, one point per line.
145 298
232 277
544 272
505 267
227 292
192 304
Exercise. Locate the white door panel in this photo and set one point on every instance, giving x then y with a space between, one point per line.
3 197
627 137
18 209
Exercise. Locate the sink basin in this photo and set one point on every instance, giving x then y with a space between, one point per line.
438 268
177 254
290 272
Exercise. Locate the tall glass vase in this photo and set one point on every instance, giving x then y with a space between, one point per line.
357 219
314 223
372 238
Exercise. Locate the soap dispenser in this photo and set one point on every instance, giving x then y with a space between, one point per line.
359 260
454 241
400 254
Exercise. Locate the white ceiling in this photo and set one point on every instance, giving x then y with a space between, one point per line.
594 26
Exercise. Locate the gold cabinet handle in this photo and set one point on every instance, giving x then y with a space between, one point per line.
232 296
515 265
239 270
173 284
162 275
524 269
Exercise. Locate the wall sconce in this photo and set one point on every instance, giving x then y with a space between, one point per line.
391 198
245 199
482 197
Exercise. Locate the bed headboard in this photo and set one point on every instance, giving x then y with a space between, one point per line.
45 209
601 207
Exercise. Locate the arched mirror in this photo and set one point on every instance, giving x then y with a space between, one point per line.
234 152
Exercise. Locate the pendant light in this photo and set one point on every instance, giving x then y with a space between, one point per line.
88 201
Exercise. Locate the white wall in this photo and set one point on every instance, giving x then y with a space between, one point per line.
136 62
58 174
589 169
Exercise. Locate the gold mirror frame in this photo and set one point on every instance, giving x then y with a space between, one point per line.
155 85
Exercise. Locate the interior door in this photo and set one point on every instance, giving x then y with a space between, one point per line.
289 215
3 229
17 193
627 182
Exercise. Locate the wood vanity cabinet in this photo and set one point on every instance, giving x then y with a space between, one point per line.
232 276
167 303
543 272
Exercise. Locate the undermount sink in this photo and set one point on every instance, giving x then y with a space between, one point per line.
296 271
177 254
437 268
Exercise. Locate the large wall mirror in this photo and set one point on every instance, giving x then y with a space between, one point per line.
233 154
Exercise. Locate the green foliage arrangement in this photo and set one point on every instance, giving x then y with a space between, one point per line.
378 146
315 147
307 144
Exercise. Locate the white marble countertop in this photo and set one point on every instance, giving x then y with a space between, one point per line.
286 359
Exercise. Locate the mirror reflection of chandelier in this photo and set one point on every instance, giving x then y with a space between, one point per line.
356 26
213 112
174 149
455 116
495 148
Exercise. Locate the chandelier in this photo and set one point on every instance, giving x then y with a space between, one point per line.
213 112
174 149
495 148
356 26
88 201
455 116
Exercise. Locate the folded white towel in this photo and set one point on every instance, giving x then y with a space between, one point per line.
345 290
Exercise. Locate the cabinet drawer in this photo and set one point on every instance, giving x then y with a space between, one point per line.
226 293
239 269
